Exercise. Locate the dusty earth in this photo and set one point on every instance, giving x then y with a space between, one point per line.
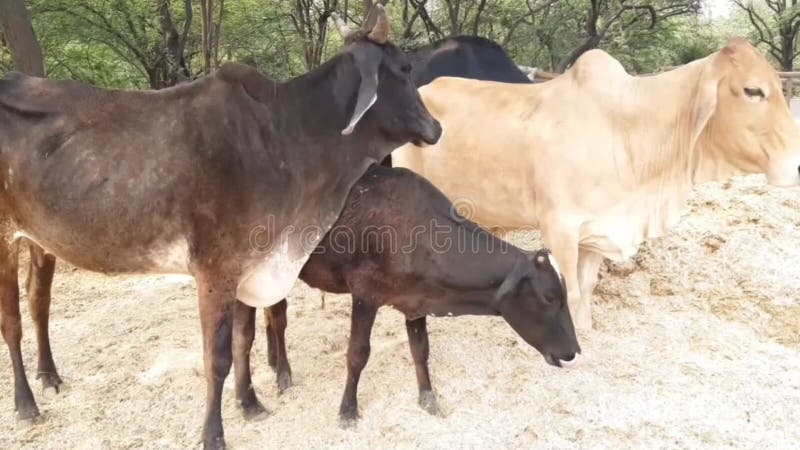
697 346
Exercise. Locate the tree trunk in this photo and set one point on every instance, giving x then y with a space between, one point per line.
20 37
175 70
207 11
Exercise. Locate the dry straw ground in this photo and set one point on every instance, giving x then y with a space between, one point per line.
697 346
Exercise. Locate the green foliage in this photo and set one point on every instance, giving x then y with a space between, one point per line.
121 43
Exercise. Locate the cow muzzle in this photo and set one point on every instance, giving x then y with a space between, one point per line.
431 132
787 177
565 362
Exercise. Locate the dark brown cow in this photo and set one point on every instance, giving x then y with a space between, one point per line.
233 179
399 243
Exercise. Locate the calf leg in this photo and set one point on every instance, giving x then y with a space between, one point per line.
216 297
40 279
272 352
418 341
244 321
361 321
11 328
276 338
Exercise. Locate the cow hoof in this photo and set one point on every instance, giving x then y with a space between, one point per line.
51 383
348 418
217 443
284 381
253 410
29 413
427 401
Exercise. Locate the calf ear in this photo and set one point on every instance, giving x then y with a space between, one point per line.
367 64
512 280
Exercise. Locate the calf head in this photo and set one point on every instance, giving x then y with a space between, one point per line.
386 94
533 300
745 121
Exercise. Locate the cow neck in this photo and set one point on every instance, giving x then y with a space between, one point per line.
657 117
315 98
663 140
322 99
471 275
699 158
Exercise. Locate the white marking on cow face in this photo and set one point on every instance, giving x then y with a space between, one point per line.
553 263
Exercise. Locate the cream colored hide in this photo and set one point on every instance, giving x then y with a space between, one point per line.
600 160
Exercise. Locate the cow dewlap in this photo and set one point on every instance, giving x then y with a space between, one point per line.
270 280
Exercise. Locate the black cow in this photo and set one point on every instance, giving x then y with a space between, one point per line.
399 242
205 178
471 57
466 57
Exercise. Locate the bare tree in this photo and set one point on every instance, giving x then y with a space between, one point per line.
602 15
127 31
310 19
175 70
20 37
777 26
207 16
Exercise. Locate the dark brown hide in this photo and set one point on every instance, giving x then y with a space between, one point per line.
201 179
398 242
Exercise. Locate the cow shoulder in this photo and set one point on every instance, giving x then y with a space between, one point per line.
254 83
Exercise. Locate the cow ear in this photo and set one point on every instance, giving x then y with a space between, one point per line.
367 64
512 280
707 90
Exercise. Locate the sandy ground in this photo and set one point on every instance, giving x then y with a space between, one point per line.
697 346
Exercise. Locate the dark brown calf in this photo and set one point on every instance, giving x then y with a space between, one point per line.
408 267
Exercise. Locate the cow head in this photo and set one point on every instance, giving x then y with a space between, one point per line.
386 90
533 300
746 123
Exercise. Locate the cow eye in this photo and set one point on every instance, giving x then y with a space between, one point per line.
406 68
550 300
754 93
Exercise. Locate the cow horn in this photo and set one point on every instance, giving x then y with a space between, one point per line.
380 32
344 30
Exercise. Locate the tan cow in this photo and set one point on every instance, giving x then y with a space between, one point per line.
600 160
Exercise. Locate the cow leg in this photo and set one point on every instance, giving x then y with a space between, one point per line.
216 297
418 341
276 334
11 328
564 245
361 321
40 279
272 352
588 267
244 332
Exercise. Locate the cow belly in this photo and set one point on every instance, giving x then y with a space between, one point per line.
166 257
269 281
